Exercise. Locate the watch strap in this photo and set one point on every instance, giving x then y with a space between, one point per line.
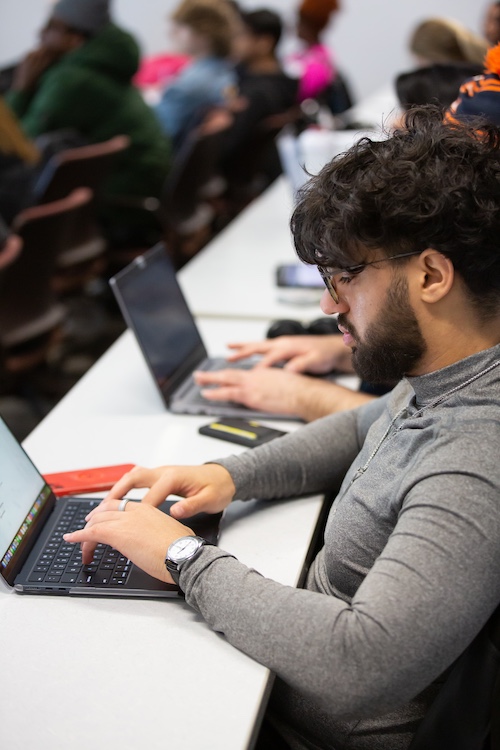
174 568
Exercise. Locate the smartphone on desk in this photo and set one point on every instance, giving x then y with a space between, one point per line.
298 276
245 432
79 481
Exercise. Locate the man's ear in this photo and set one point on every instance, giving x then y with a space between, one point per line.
437 276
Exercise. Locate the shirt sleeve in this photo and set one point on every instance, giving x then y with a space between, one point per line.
176 108
434 585
313 459
59 102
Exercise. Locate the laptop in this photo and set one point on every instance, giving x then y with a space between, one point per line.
154 308
35 559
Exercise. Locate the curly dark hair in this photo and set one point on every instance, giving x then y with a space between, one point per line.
431 184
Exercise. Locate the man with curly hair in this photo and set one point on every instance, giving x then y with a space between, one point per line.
405 233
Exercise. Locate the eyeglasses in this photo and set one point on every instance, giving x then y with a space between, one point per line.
328 274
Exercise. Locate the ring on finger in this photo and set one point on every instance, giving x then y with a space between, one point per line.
123 503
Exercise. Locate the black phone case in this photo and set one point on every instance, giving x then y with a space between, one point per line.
240 431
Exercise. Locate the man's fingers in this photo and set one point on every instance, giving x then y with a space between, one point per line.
270 359
208 378
187 507
247 349
135 478
205 501
221 377
91 534
298 364
160 490
224 393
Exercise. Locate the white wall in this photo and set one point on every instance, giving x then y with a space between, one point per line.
369 36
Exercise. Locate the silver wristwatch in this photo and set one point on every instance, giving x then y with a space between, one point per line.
180 551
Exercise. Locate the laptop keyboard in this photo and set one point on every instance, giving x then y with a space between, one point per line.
60 562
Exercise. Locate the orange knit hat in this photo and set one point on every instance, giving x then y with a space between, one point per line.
492 60
317 12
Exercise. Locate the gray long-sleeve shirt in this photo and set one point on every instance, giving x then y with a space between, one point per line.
409 571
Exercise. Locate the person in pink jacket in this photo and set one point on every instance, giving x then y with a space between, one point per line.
314 64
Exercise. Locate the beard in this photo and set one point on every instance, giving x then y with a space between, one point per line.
393 345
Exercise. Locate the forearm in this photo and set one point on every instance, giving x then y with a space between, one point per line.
408 621
319 398
312 459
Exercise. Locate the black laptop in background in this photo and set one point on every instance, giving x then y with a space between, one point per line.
35 559
155 309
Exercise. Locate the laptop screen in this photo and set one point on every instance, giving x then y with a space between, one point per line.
24 496
154 307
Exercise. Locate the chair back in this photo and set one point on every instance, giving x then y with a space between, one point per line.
84 166
194 165
28 307
9 252
466 712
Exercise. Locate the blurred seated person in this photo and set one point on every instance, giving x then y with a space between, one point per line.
156 72
79 78
202 29
444 40
313 65
491 25
264 91
480 96
18 164
433 84
287 390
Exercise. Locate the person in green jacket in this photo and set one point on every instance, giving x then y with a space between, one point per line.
80 78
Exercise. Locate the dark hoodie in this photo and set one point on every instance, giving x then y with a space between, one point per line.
90 90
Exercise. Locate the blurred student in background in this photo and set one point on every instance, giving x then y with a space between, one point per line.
314 64
248 149
433 84
202 29
491 25
444 40
480 96
79 78
18 164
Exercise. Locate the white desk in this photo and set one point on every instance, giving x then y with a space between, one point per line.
234 275
378 110
129 674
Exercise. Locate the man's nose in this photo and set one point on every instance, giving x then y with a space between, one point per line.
329 306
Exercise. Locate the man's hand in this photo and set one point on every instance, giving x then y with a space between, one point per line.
30 69
207 488
141 533
276 391
261 389
315 354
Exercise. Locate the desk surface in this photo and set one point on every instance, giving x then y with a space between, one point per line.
234 275
128 674
378 110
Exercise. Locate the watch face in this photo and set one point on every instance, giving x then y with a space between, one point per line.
183 548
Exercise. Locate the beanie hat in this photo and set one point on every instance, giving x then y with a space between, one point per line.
210 18
317 12
480 96
88 16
